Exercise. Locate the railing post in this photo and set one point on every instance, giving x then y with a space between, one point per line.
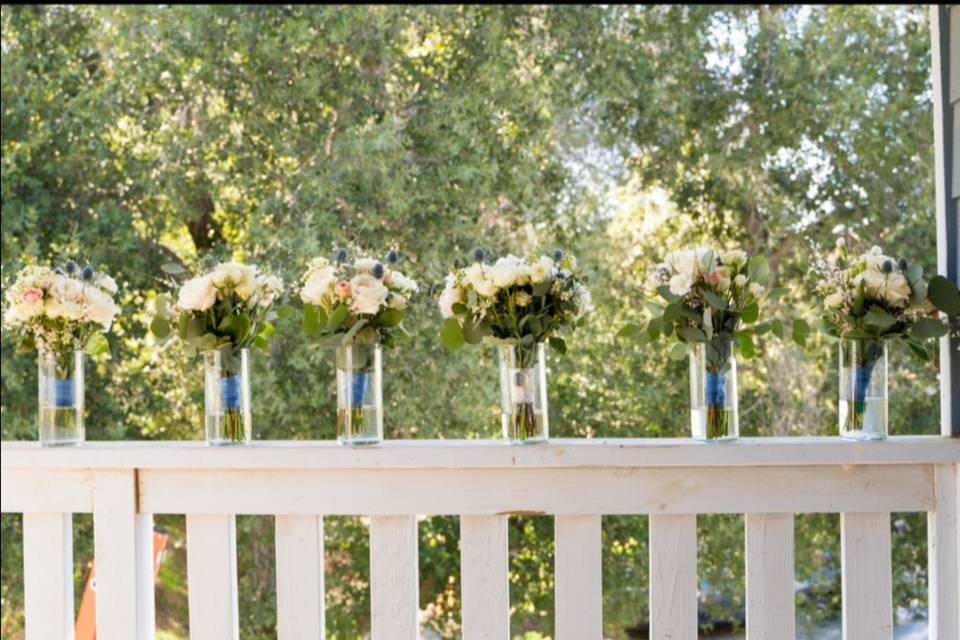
48 575
123 558
943 547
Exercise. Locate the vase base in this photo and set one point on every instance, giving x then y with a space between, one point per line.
61 443
526 441
226 443
716 440
863 436
358 442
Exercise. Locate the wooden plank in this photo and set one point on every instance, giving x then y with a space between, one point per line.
943 547
867 583
300 605
123 566
45 490
48 575
954 54
212 577
485 587
673 577
770 576
579 578
570 491
394 578
459 454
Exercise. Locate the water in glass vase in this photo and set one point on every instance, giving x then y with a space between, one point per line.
61 398
227 413
863 390
523 394
359 395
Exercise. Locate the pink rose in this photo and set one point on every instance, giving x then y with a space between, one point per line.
712 278
342 289
32 294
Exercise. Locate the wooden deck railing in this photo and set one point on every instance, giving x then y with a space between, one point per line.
483 482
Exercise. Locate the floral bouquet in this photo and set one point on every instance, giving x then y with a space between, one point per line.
62 312
221 314
868 300
705 299
517 304
356 307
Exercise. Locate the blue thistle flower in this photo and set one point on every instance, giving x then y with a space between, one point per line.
341 256
377 271
903 264
887 266
557 255
87 273
479 254
71 266
393 257
58 271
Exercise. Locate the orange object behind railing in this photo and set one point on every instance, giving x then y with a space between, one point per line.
86 628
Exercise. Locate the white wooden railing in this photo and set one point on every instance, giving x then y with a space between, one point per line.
767 479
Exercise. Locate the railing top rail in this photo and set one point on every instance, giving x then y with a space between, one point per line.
413 454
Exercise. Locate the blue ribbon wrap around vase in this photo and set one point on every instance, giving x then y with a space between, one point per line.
64 394
861 380
359 381
716 389
230 392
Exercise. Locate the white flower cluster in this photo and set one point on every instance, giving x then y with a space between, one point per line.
55 307
684 268
367 287
202 292
487 281
880 277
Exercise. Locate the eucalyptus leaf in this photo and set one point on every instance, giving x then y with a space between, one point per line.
927 328
558 344
172 268
879 318
715 301
160 327
691 334
944 295
96 344
750 313
451 335
678 351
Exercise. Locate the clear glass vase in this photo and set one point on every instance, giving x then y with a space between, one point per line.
359 395
226 396
863 389
60 376
523 393
713 391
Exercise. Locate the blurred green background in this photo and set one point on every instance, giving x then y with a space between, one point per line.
136 136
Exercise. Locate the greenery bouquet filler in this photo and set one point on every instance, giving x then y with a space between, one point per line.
516 304
709 303
220 314
355 307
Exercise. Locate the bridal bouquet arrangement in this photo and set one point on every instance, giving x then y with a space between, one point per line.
356 307
62 313
709 302
220 314
517 304
868 300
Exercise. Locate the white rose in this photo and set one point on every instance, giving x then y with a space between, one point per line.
451 295
835 300
65 309
319 285
197 294
269 287
688 262
680 284
67 289
733 256
541 269
100 308
508 271
106 283
242 278
896 290
876 260
740 280
756 288
872 280
401 281
479 278
368 294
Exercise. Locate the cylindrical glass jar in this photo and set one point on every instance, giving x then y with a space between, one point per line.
713 391
60 376
226 395
359 395
863 389
523 393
